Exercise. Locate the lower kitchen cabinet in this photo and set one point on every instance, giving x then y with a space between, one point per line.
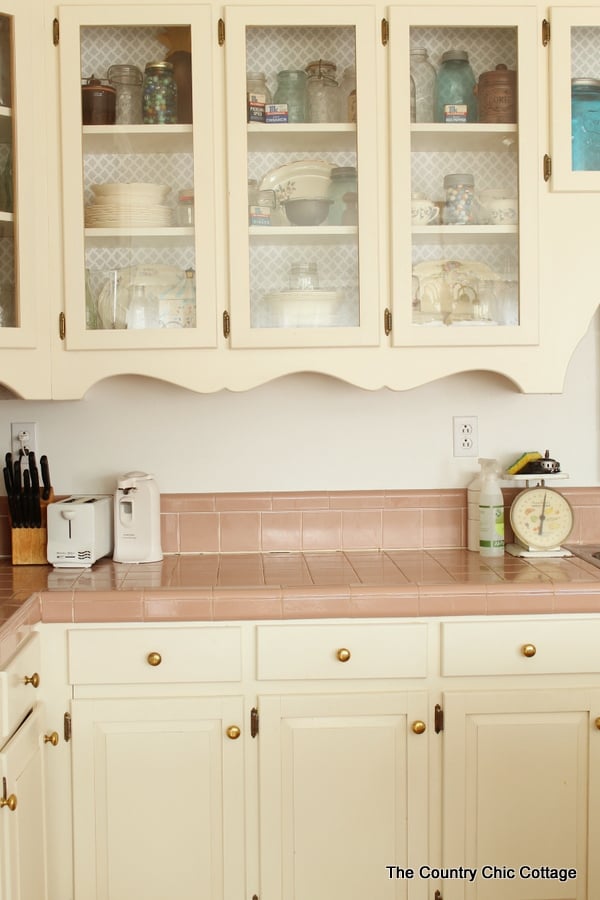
158 798
22 813
344 793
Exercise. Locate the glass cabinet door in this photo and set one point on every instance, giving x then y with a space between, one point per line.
575 98
139 203
464 170
303 213
22 237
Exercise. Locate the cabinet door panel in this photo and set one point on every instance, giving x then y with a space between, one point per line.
344 793
157 795
520 790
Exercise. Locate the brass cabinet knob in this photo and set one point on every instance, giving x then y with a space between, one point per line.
343 655
233 732
528 650
154 659
51 738
10 801
597 723
419 727
33 680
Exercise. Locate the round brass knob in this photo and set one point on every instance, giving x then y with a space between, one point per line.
33 680
419 727
597 723
343 655
10 801
233 732
154 659
51 738
528 650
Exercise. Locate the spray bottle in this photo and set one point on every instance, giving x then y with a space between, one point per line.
491 510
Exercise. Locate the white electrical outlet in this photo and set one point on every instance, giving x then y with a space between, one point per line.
23 435
465 433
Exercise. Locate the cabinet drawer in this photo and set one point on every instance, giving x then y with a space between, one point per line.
341 651
154 655
520 647
18 695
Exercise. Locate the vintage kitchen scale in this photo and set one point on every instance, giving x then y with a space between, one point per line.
540 516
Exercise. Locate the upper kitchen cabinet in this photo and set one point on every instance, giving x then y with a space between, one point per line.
24 315
302 126
136 91
574 44
464 173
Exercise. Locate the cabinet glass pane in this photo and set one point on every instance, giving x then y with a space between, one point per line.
138 177
585 98
303 222
465 185
9 310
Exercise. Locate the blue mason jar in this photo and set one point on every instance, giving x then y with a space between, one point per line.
455 99
585 124
291 89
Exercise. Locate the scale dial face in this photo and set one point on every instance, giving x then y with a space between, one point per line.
541 518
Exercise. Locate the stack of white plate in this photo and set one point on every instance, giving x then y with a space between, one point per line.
303 309
132 204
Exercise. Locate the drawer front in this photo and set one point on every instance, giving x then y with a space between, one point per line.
154 655
520 647
18 691
343 651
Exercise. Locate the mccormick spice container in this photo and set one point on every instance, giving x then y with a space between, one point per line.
160 94
497 96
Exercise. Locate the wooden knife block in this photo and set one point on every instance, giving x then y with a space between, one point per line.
29 545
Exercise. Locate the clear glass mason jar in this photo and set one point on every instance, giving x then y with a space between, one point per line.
322 91
160 94
460 194
423 75
343 181
455 95
256 83
347 92
127 81
291 89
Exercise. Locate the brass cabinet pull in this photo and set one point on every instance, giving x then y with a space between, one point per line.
419 727
154 659
343 654
528 650
51 738
233 732
33 680
10 801
597 723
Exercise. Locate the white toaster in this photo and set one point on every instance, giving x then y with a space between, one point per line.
80 530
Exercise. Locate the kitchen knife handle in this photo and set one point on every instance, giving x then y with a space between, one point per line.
45 476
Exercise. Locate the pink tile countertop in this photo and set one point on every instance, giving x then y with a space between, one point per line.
296 585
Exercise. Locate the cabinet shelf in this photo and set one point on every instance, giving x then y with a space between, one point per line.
290 137
303 234
464 136
460 234
137 139
117 237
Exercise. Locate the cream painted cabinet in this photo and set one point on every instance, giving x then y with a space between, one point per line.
521 786
574 41
344 793
468 276
24 301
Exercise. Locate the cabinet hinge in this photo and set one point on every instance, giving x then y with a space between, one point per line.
253 722
385 32
62 326
55 32
547 167
67 727
221 32
438 718
226 324
387 321
545 32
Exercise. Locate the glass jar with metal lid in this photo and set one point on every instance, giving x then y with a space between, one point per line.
160 94
343 181
127 81
322 91
291 90
455 98
585 124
